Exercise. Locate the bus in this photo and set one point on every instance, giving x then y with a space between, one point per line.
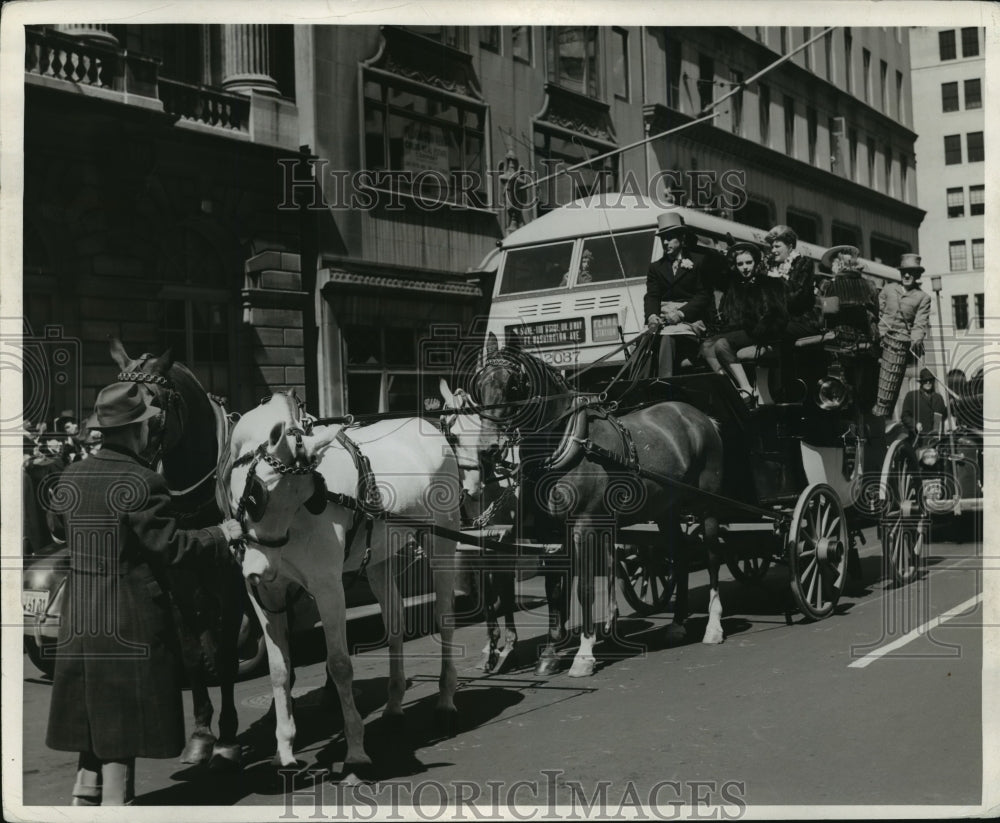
540 301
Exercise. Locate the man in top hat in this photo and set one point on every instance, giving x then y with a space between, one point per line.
920 405
904 320
675 291
116 694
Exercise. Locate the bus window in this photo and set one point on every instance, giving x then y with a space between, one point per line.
537 267
624 255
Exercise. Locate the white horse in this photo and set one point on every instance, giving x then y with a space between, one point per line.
464 430
282 473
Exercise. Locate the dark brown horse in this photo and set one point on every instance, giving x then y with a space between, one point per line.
208 598
585 473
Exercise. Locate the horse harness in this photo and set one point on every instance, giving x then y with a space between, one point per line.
174 403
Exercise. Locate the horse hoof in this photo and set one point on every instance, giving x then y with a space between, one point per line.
280 762
446 721
358 771
676 633
488 662
198 749
502 658
713 637
226 757
548 664
582 667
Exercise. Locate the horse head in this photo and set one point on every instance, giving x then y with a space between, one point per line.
153 375
464 431
267 475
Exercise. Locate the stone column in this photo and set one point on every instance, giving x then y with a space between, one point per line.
246 60
91 32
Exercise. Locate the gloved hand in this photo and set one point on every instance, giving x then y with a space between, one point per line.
673 317
232 529
654 322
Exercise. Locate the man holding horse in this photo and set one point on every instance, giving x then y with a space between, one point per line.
116 695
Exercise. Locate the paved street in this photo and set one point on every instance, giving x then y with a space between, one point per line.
808 713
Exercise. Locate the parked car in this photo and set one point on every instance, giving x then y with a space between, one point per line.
44 589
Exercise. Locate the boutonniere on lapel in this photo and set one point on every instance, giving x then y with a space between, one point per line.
683 263
783 269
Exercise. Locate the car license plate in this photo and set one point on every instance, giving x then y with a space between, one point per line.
34 602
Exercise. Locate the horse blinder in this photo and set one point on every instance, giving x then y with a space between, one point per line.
317 503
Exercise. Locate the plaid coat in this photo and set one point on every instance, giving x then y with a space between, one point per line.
116 690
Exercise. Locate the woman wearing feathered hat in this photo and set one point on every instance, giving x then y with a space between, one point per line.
904 320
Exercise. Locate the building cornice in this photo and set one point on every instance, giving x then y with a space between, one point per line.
661 118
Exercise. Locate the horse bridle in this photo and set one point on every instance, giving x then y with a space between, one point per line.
445 423
174 401
254 492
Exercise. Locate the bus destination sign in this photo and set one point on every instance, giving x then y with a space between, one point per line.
548 333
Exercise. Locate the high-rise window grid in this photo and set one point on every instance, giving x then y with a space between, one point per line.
960 311
952 149
978 253
977 199
956 202
974 147
957 256
980 310
946 45
974 93
970 42
949 97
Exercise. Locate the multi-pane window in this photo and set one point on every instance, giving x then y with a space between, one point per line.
866 68
949 97
852 141
789 126
571 56
974 93
199 332
736 79
970 42
960 311
521 43
554 150
848 48
811 128
978 253
884 84
888 251
844 235
956 202
706 81
673 49
619 62
384 373
974 146
764 104
977 199
957 258
946 45
414 128
806 226
980 310
455 36
489 38
952 149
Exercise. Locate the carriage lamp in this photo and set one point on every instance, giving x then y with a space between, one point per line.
832 391
936 283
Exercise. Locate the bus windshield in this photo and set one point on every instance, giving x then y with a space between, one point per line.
536 267
626 255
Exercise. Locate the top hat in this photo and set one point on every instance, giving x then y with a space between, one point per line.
120 404
834 252
911 263
670 223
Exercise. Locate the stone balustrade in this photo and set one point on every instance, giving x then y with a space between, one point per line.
208 106
49 53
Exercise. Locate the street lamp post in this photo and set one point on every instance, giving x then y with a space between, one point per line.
936 286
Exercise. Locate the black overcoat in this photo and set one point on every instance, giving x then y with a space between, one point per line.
686 286
116 690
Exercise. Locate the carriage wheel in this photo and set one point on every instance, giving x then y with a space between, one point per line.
747 569
645 578
904 523
817 551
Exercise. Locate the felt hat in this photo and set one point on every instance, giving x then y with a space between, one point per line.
835 252
120 404
750 248
911 263
927 374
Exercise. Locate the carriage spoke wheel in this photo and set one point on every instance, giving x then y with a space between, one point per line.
817 551
904 523
645 578
743 566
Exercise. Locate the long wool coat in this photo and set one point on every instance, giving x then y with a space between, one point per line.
116 690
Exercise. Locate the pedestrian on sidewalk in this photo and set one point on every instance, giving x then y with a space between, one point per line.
116 693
